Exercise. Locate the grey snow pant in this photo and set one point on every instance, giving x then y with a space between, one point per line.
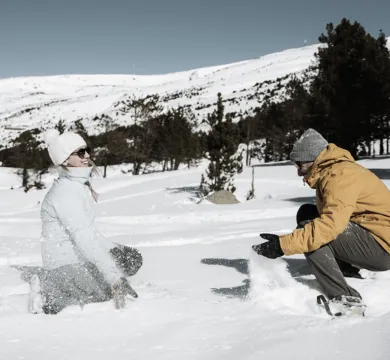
76 284
80 284
354 246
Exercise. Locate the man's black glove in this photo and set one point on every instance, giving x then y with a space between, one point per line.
270 249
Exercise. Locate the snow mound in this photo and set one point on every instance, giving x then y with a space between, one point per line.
222 197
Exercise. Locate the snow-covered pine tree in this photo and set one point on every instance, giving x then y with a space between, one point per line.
222 151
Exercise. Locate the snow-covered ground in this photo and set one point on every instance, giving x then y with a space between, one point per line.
203 294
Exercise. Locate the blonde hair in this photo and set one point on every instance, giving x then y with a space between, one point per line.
95 171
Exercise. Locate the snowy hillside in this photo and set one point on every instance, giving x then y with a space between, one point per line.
31 102
203 294
40 101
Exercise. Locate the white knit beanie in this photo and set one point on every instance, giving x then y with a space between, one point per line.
60 147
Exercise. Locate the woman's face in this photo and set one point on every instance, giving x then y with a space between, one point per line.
79 158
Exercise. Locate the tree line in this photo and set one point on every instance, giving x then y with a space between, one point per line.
160 137
344 94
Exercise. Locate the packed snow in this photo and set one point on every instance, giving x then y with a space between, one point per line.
203 292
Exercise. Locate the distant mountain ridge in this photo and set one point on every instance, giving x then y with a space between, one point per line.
30 102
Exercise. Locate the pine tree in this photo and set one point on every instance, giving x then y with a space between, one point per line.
177 136
222 144
112 147
140 141
60 126
295 108
249 133
140 109
350 91
381 99
29 158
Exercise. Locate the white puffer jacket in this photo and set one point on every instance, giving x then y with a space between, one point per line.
69 235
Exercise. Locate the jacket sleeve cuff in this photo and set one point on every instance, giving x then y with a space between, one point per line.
285 244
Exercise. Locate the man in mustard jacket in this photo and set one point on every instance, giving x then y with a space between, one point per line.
349 225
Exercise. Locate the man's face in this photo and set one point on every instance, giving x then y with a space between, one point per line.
303 167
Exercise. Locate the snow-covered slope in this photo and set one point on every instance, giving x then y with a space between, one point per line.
30 102
203 294
40 101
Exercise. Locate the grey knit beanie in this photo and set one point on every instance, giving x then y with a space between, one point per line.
308 146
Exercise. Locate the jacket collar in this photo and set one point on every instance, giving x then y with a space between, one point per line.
78 174
328 157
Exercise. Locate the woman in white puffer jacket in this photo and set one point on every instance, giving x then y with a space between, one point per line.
81 265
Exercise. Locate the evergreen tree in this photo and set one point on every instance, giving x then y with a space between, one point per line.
60 126
140 109
140 141
249 133
272 130
381 99
178 137
295 107
350 92
112 146
171 137
29 158
222 144
140 146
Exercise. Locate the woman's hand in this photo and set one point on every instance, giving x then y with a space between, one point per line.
120 289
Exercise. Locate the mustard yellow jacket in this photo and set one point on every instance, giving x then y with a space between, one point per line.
345 191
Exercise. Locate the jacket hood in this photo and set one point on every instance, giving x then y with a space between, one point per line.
329 156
